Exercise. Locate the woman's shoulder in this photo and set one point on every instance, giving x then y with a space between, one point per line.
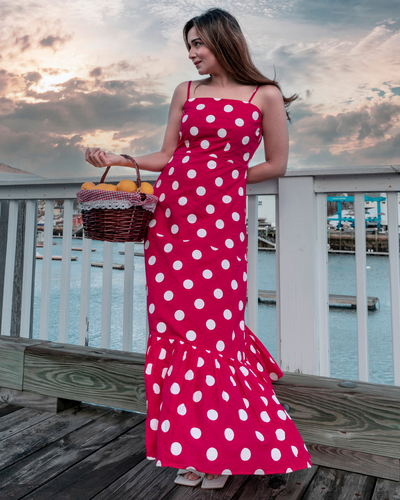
270 92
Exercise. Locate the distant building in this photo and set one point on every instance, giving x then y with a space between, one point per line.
8 173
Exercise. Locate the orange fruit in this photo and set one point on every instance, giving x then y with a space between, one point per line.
87 185
146 188
109 187
100 186
127 185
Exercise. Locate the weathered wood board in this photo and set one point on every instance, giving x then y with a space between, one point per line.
36 401
365 419
386 490
111 378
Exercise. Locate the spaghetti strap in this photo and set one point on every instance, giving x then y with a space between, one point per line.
254 93
188 91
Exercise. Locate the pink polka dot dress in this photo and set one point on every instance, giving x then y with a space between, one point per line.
210 401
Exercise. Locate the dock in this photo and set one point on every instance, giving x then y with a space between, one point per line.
137 254
55 257
79 249
334 300
115 266
98 453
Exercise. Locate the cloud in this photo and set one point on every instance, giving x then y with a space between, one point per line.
55 42
23 42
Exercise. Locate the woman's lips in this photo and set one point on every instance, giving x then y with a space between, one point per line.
196 63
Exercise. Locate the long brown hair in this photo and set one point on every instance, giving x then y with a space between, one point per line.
221 33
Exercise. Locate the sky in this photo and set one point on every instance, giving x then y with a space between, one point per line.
97 73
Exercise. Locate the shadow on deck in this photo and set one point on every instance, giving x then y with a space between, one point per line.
96 452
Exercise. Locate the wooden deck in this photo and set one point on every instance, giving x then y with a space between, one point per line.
96 452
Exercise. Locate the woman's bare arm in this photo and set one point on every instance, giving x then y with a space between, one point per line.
154 162
276 137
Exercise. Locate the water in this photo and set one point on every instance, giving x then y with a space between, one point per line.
342 321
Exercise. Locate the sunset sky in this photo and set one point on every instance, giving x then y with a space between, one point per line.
78 73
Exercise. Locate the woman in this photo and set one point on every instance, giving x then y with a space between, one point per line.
211 407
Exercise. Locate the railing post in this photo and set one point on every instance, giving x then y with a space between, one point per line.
252 266
298 276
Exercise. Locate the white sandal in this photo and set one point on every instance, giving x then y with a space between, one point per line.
217 482
180 479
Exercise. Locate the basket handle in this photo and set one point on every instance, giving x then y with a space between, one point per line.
132 160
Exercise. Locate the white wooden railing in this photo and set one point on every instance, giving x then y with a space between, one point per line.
301 263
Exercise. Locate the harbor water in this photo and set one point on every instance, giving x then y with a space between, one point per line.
342 321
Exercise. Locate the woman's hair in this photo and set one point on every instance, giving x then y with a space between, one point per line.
221 33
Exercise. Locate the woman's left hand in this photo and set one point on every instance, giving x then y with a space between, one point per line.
100 159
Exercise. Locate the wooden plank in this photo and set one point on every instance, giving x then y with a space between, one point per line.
35 401
55 427
111 378
278 487
96 472
5 409
331 483
37 469
114 265
355 461
19 421
364 419
334 299
146 481
386 490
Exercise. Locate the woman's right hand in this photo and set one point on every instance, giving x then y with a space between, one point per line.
100 159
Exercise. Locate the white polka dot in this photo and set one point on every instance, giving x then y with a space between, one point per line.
220 345
210 324
179 315
235 216
191 218
187 144
239 122
175 185
194 130
165 426
191 174
177 265
168 295
259 472
185 159
199 304
211 164
273 376
200 362
207 274
289 470
282 415
159 277
280 434
229 434
246 140
168 247
210 118
176 448
148 368
152 223
227 147
234 284
255 115
264 416
245 454
174 228
162 197
219 181
226 472
241 324
171 171
182 200
175 389
197 396
259 436
151 308
228 108
168 212
195 432
212 454
219 223
246 156
201 191
241 191
191 335
152 260
201 233
243 415
260 368
226 199
156 388
210 209
225 396
161 327
225 264
233 381
185 117
245 276
182 409
196 254
200 106
222 132
275 399
210 380
235 174
188 284
276 454
218 294
189 375
227 314
258 132
295 451
204 144
241 305
229 243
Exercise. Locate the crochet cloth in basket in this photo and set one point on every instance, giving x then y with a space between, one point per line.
90 198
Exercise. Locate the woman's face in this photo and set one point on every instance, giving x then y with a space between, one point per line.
201 56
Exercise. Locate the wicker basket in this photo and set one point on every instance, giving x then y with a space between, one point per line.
121 224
